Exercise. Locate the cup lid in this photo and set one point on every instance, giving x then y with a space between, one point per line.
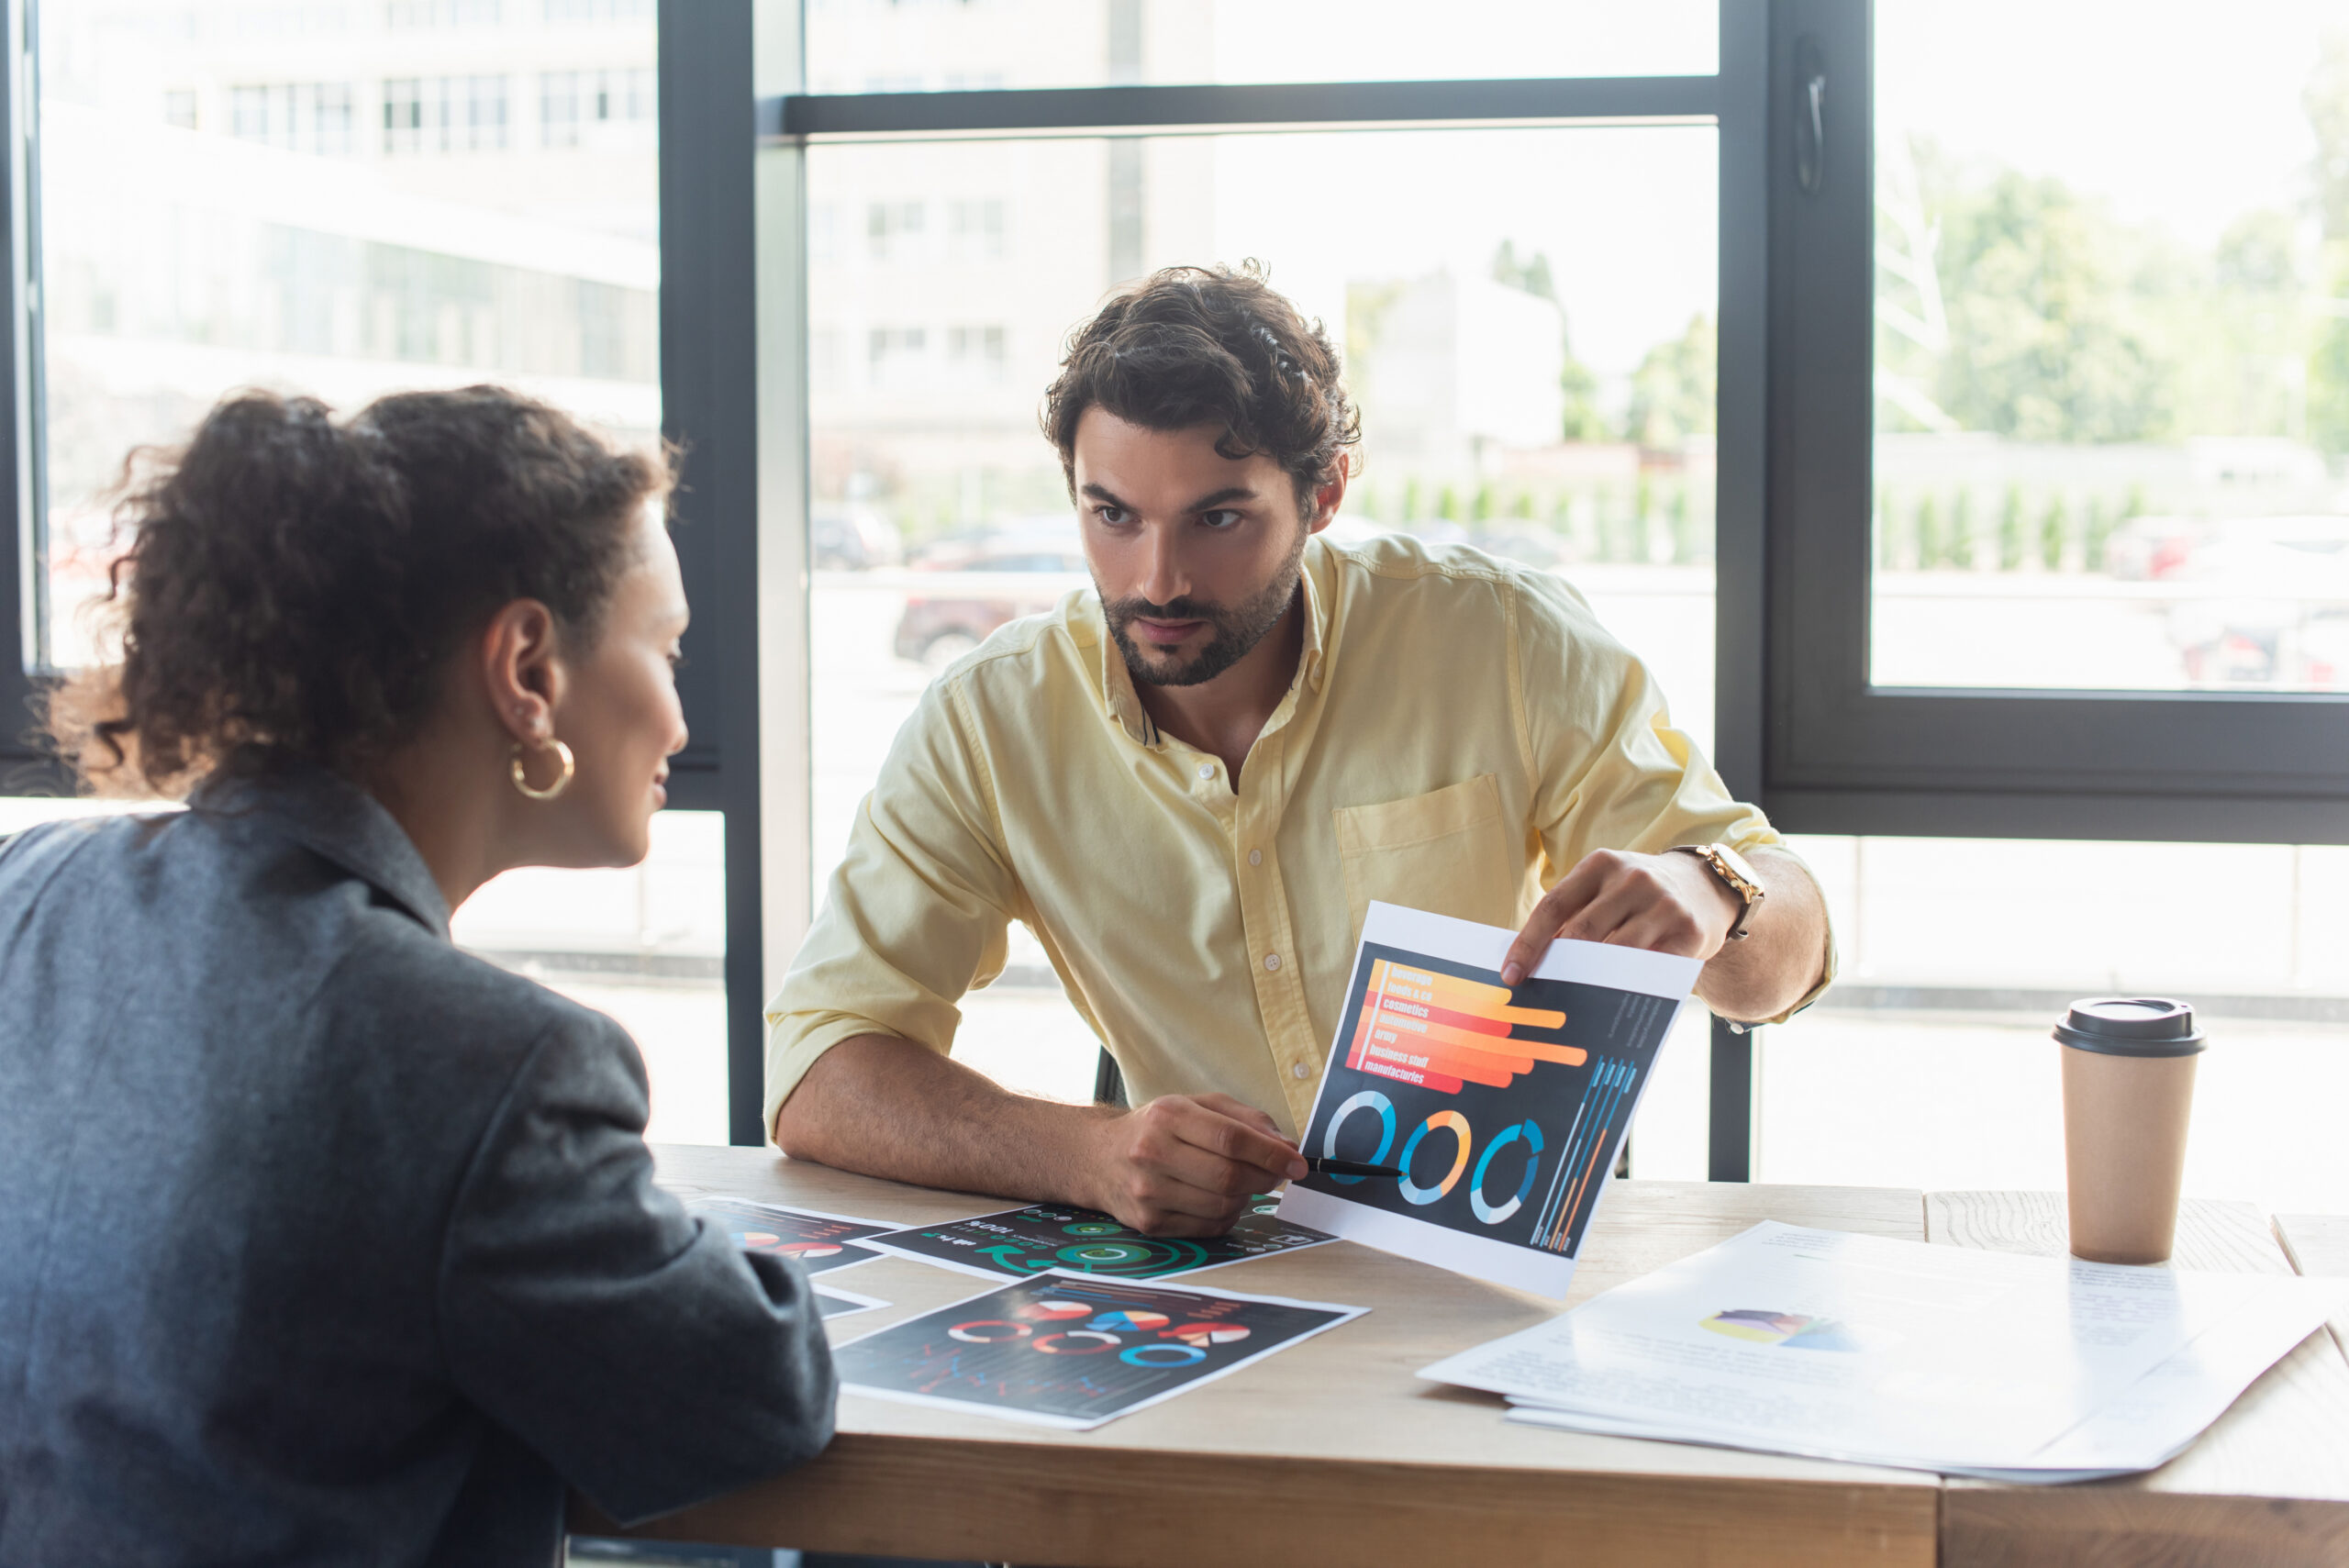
2130 1026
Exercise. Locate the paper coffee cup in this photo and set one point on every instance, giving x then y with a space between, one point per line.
2128 1095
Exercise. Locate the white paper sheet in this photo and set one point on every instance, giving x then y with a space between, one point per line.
1857 1347
1527 1093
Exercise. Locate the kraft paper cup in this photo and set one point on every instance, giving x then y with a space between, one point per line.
2128 1095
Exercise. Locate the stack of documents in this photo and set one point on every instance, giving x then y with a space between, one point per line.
1838 1346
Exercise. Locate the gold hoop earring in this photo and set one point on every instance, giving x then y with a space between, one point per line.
522 778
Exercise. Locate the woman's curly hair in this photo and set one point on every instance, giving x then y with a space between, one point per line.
294 586
1192 346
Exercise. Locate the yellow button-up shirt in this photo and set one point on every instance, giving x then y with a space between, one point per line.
1460 732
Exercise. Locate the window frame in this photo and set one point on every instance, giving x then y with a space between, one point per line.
1841 756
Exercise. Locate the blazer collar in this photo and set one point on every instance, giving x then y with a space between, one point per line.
327 813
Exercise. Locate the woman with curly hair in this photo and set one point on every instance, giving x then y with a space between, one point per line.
326 1241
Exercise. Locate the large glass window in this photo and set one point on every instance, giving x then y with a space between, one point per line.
346 199
1536 376
2112 350
913 46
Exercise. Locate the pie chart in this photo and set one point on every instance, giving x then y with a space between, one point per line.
1202 1335
1130 1320
805 1249
1055 1311
1076 1342
989 1331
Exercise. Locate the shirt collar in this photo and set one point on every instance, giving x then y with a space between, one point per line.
1123 704
328 814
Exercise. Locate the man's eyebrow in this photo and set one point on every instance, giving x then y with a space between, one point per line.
1228 493
1101 493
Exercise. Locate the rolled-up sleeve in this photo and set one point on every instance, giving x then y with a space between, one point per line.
1608 769
647 1359
916 915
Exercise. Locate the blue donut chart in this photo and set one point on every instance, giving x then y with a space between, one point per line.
1487 1213
1149 1355
1371 1100
1457 1125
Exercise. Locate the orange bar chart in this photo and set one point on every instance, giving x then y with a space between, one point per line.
1440 1031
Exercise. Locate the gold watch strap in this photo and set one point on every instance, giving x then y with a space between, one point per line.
1749 893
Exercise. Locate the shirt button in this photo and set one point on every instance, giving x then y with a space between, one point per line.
1255 857
1298 1070
1272 961
1207 770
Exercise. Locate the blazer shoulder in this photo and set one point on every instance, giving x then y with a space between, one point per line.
443 997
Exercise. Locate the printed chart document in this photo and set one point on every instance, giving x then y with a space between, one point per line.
1504 1108
1851 1347
1070 1351
817 1241
838 1303
1023 1241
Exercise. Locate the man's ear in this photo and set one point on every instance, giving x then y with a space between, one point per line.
522 670
1328 497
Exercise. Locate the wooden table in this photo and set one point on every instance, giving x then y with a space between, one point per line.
1335 1451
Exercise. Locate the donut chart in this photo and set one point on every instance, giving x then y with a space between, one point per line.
1450 1121
989 1331
1487 1213
1162 1356
1367 1100
1076 1342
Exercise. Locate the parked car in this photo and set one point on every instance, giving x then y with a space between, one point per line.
940 625
2269 605
855 539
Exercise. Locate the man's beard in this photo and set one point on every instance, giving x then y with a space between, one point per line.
1237 628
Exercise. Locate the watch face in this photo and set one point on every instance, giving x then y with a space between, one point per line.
1739 869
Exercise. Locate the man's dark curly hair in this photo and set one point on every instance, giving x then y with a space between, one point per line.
1192 346
294 586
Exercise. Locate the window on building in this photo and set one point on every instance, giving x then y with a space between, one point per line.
895 230
404 114
179 108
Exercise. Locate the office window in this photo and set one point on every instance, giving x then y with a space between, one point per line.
591 104
2112 407
1524 389
895 230
404 114
179 108
896 45
179 260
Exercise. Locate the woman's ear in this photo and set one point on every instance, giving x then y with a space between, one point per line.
522 670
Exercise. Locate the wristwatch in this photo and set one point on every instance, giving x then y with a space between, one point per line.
1731 867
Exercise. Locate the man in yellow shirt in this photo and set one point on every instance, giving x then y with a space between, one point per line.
1191 785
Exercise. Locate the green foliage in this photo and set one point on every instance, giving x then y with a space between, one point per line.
1411 500
2097 536
1931 546
1888 531
2011 530
2325 100
1481 509
1524 506
2135 506
1684 530
1604 543
1961 533
1672 389
2055 531
1582 421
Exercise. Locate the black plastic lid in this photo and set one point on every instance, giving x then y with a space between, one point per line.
2130 1026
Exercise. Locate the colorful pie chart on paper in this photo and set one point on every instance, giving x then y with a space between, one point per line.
1131 1321
1202 1335
1056 1311
1793 1330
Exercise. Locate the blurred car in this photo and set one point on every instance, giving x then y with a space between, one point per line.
2267 605
852 539
941 623
2148 549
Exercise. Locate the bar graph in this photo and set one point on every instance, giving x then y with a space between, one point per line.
1443 1032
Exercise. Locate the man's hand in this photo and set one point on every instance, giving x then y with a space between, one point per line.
1185 1165
1663 903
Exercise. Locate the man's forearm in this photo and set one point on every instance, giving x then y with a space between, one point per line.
1783 952
884 1107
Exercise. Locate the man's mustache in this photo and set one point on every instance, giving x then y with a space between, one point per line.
1183 608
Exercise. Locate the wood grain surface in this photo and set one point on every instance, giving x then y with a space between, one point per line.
2267 1483
1334 1451
2318 1245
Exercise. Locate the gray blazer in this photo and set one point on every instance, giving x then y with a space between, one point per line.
323 1242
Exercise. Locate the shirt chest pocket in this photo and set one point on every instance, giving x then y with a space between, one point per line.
1449 852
